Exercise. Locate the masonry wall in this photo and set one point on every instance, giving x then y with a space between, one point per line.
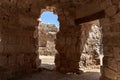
17 31
68 46
111 39
18 19
111 25
1 47
68 43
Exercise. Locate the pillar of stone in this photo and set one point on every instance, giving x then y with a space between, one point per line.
68 43
111 41
68 46
111 50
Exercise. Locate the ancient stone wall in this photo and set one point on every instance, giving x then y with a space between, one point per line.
68 39
47 36
111 39
18 19
42 37
18 46
90 43
18 54
110 24
68 42
1 44
68 46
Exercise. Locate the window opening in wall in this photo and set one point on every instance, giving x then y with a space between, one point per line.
47 30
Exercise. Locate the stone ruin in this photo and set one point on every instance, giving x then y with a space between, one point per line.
47 35
92 44
90 55
19 38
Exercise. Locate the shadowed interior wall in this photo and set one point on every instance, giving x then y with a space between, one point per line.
68 46
111 39
18 19
111 25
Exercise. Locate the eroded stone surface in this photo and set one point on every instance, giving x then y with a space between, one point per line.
18 19
91 40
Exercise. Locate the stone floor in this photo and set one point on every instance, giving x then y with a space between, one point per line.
89 74
48 75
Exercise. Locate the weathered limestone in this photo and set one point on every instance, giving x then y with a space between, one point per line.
111 47
88 8
42 37
111 11
69 56
90 43
68 40
18 46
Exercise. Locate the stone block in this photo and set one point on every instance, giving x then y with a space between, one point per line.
119 5
106 3
1 48
3 60
118 78
12 61
110 62
115 27
118 67
20 59
116 2
105 23
117 18
110 74
111 11
117 53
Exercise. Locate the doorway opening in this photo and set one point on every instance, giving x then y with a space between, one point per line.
91 39
92 47
47 30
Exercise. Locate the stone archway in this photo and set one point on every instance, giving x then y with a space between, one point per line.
66 54
47 36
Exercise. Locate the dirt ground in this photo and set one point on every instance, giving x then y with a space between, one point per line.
48 62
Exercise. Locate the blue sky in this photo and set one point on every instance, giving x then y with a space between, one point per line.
49 18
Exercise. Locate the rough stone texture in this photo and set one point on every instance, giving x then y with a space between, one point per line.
111 11
42 37
47 35
68 46
68 40
111 47
91 42
64 59
19 50
18 19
